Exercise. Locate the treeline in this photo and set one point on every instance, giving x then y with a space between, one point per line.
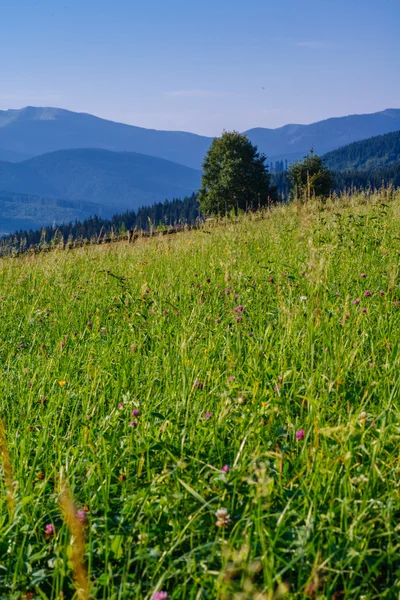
372 178
168 213
365 155
173 212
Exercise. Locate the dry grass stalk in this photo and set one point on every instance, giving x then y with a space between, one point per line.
8 473
76 527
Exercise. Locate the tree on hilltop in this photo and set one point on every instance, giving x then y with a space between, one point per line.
310 177
235 176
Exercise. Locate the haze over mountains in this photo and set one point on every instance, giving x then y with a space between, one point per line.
32 131
82 165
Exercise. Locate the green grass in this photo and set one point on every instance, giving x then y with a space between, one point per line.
153 327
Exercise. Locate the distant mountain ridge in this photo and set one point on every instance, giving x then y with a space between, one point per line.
29 211
375 152
32 131
96 181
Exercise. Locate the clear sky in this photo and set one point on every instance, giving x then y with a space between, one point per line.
202 65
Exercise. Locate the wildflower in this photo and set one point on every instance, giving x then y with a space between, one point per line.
300 434
356 301
49 530
223 517
280 378
62 383
303 298
135 412
81 516
381 293
22 346
120 406
208 415
90 324
364 310
231 378
239 318
225 469
133 424
238 309
160 596
363 275
271 280
367 293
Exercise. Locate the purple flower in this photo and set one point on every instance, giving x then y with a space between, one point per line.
225 469
239 318
81 516
198 385
49 530
367 293
381 293
231 378
133 424
271 280
356 301
120 406
364 310
300 434
89 324
135 412
160 596
208 415
238 309
363 275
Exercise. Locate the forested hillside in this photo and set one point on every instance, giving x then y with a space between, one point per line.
375 152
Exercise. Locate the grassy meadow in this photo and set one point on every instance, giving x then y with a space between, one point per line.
223 407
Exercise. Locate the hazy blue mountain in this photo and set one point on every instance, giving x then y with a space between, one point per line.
115 180
33 131
23 211
376 152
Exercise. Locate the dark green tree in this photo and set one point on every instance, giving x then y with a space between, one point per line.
235 176
310 177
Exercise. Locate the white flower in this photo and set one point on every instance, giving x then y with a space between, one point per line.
223 518
303 298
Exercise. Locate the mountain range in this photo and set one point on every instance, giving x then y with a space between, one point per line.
57 165
32 131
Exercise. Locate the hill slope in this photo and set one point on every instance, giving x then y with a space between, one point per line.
375 152
114 179
35 131
225 411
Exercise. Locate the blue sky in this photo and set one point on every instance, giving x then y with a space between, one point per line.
202 66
